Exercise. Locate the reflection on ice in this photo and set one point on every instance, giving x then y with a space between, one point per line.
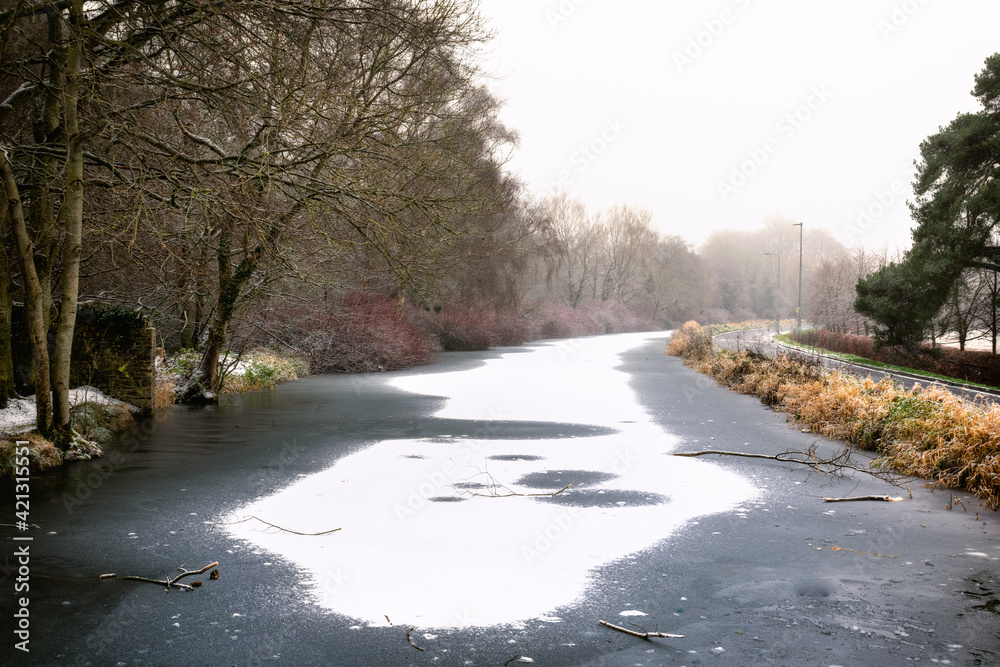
410 551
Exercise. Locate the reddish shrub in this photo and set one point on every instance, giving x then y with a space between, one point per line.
359 332
470 326
589 318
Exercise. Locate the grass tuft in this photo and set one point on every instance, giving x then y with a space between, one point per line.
924 431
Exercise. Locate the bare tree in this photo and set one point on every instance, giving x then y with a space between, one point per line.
236 127
964 307
579 247
676 283
989 315
629 239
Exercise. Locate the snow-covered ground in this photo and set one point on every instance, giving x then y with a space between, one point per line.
19 415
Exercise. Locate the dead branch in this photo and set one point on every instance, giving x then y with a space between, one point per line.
641 635
286 530
516 657
410 639
168 581
493 485
855 551
886 499
833 466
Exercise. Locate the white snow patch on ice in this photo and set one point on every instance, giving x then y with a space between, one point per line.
479 561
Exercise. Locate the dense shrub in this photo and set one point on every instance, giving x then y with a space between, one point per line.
588 319
691 341
263 370
474 326
100 422
366 331
463 327
358 332
927 432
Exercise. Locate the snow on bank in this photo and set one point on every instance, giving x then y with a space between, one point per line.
19 415
417 546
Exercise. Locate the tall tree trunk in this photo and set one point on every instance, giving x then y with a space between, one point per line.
33 295
205 380
6 306
72 219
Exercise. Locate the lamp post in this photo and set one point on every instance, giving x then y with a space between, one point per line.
798 311
777 295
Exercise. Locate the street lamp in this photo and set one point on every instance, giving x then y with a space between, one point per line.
798 311
777 295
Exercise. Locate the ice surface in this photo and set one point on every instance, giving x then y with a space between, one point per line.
419 549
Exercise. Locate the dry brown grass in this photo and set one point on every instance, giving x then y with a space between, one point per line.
924 431
42 453
680 340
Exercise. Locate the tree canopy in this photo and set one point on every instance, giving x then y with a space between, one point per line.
957 211
231 133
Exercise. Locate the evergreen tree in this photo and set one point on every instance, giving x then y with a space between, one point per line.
957 210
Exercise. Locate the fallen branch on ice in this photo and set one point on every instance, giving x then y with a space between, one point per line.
168 581
885 499
410 639
286 530
641 635
855 551
494 489
833 466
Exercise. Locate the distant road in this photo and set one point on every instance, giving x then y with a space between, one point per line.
762 340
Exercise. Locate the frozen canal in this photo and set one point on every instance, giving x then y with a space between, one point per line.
450 531
429 474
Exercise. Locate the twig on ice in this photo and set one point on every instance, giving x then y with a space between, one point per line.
410 639
833 466
267 523
516 657
855 551
641 635
493 485
168 581
885 499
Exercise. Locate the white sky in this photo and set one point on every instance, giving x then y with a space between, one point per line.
881 75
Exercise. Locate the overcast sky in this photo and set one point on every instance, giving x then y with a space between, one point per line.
721 114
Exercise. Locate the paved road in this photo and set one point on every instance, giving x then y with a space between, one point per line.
762 340
783 579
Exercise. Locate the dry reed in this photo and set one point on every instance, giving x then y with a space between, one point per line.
924 431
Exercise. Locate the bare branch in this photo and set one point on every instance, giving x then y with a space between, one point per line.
641 635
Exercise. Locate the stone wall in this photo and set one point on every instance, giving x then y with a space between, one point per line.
114 349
